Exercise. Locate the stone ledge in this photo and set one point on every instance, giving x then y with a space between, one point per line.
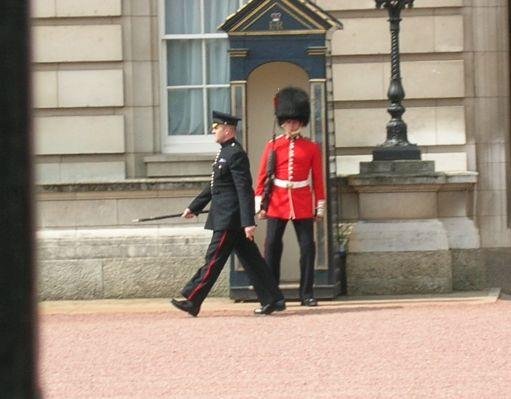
147 184
180 157
428 182
141 232
179 165
398 167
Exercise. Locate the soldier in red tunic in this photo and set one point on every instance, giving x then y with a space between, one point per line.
297 191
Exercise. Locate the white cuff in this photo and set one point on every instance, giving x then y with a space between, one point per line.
258 200
320 208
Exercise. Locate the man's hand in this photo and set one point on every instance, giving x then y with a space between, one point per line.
320 211
261 215
187 214
249 232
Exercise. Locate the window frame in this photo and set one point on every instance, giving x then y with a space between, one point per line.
183 143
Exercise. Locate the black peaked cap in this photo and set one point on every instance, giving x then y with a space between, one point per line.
225 119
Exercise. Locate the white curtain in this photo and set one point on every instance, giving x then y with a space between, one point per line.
218 100
217 61
186 114
184 62
182 16
185 106
216 11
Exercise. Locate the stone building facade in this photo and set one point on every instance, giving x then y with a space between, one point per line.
106 153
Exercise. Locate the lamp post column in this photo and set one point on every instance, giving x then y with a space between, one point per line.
396 146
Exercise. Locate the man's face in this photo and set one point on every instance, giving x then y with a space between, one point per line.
292 127
219 130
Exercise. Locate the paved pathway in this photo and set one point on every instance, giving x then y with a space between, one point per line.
436 347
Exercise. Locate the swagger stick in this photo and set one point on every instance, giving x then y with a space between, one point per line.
174 215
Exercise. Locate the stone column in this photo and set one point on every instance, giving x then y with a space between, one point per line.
239 108
488 130
318 134
142 84
488 114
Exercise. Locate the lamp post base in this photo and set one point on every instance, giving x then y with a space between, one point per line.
402 167
393 153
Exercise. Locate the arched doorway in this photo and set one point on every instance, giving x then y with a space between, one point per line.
262 84
273 44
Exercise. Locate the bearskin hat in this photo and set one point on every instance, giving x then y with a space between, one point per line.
292 103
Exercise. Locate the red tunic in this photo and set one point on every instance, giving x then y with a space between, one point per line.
298 161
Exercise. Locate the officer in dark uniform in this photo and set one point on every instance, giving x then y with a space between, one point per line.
231 217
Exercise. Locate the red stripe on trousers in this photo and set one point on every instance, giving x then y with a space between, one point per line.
210 267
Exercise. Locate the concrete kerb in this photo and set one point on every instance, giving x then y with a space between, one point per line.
226 306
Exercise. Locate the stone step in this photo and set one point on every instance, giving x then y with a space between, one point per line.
97 263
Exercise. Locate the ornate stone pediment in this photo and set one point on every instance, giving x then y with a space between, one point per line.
277 17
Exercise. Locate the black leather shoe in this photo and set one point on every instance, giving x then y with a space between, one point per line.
186 306
309 302
280 305
266 309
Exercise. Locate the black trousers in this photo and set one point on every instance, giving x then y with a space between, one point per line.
273 247
222 244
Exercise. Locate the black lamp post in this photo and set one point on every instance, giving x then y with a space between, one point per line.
396 146
18 371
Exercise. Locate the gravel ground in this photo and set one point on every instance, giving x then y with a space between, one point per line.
425 350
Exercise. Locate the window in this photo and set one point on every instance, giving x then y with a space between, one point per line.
195 69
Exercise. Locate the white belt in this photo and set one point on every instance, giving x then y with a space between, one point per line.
291 184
